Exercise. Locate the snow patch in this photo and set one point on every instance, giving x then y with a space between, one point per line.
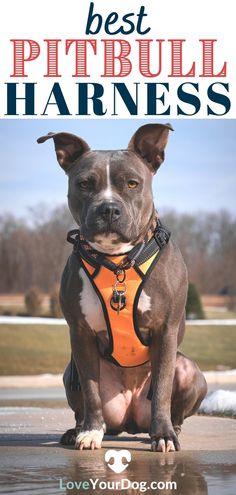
31 320
219 402
39 320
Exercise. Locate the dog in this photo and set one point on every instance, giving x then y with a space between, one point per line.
131 376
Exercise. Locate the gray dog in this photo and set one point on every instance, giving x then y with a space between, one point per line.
123 294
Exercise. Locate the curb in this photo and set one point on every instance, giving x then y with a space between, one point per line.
48 380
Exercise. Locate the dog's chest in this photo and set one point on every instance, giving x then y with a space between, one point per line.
91 306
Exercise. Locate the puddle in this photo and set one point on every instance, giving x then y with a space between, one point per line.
33 463
51 469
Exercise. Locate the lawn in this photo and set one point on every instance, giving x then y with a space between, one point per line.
212 347
33 349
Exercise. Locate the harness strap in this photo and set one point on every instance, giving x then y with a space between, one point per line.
138 255
118 281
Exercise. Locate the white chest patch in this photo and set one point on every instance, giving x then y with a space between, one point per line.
90 304
144 303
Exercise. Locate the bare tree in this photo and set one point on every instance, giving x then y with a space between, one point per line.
33 252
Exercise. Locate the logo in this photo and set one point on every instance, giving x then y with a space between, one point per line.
118 455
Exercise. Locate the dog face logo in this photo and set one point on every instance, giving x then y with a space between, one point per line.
117 466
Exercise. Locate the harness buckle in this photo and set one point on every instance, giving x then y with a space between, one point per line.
162 236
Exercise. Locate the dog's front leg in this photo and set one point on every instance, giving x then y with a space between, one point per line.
163 360
85 354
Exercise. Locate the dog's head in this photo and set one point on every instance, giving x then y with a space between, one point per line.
110 193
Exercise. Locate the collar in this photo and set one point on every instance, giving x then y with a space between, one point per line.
140 253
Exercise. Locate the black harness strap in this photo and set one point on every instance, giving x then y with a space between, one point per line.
138 255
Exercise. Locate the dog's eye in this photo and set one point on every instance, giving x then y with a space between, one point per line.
132 184
83 184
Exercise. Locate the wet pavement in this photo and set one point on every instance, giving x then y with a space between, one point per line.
33 462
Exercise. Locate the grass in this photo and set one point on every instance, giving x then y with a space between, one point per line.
214 314
33 349
212 347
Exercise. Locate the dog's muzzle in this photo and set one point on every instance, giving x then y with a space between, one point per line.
109 211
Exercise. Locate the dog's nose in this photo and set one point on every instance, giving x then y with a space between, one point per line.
109 211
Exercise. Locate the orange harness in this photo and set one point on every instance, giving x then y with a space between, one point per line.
126 345
118 282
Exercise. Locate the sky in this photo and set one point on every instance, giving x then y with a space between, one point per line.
198 174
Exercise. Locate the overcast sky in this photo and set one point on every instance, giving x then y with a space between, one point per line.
199 172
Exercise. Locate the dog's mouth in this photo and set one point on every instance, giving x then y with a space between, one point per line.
110 244
107 240
109 228
106 232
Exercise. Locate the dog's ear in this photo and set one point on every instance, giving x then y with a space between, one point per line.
68 147
149 141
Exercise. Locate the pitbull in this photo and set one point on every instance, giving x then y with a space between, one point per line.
110 198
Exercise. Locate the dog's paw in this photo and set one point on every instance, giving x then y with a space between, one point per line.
69 437
89 439
165 443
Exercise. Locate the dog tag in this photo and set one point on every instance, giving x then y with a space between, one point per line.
121 302
118 300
